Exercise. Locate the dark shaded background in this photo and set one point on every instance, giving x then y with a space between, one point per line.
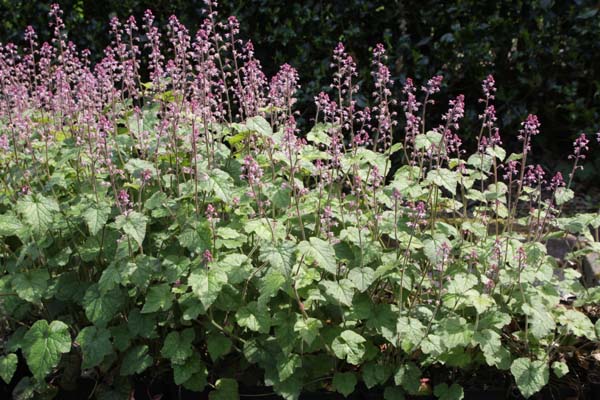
545 55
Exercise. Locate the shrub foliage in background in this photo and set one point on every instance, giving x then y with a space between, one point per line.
542 53
182 226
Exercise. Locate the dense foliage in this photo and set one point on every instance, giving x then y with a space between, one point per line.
183 226
542 53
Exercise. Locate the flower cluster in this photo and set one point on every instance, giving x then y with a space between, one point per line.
186 220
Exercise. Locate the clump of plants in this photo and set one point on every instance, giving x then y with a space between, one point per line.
176 223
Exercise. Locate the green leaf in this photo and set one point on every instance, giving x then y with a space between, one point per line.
578 323
30 388
433 345
279 255
475 227
287 365
374 374
143 325
291 388
236 266
8 366
531 376
207 284
494 319
191 307
349 346
15 341
136 360
563 195
269 286
344 382
43 345
362 278
38 211
321 252
342 291
196 239
454 392
136 167
134 225
491 345
408 376
155 201
410 331
100 308
560 368
308 329
31 285
455 332
431 248
159 297
254 317
121 336
178 346
95 345
319 134
218 345
281 198
110 279
10 225
259 125
192 369
482 162
443 177
95 216
496 151
221 184
541 322
225 389
426 141
229 238
480 301
461 283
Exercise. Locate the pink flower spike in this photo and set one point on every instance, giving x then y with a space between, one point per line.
580 146
207 256
433 85
489 87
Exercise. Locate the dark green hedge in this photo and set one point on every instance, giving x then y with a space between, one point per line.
545 55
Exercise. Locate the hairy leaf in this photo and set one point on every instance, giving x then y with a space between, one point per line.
136 360
95 345
207 284
279 255
178 346
321 252
531 376
38 211
134 225
344 382
349 346
43 345
159 297
95 216
8 366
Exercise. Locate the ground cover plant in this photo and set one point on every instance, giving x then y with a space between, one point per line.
179 225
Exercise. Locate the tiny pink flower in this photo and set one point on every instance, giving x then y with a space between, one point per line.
146 175
580 146
207 256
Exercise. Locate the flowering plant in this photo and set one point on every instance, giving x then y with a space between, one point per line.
182 224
